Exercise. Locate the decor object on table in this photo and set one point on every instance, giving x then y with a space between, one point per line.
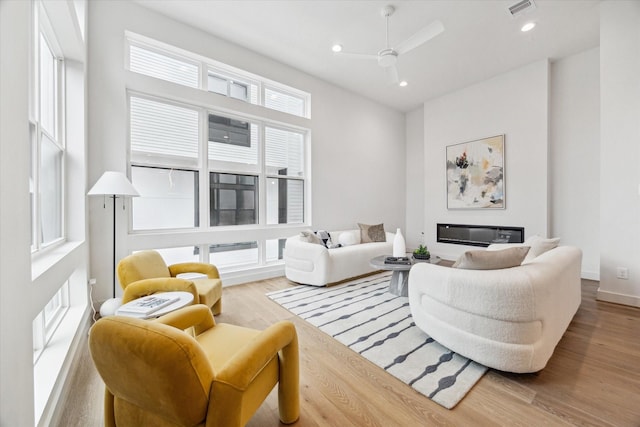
475 174
509 319
422 253
114 185
313 264
145 272
364 316
157 374
399 245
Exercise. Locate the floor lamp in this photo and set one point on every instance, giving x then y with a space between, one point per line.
114 185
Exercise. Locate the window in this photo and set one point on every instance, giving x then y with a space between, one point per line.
235 176
234 199
175 65
168 198
47 144
46 322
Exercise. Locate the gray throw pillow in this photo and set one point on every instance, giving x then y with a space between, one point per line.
372 233
492 260
310 237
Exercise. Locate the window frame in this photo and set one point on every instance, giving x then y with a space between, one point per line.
43 31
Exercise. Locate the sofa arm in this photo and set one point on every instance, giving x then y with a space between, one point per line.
296 248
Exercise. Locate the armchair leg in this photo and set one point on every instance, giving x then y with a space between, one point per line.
217 307
289 382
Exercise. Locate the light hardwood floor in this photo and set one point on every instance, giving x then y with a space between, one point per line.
593 378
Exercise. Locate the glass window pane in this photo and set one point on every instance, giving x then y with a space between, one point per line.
285 201
284 151
50 191
217 84
233 199
233 144
228 255
168 198
278 100
275 249
238 91
163 129
150 63
47 88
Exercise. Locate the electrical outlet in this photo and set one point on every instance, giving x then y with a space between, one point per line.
92 282
622 273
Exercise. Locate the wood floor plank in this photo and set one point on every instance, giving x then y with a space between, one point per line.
592 379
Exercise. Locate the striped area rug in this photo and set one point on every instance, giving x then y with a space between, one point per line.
364 316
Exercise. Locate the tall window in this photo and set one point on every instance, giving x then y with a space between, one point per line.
197 167
47 143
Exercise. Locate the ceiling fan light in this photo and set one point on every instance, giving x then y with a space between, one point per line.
403 83
528 27
336 48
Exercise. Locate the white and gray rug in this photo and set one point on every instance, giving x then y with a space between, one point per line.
364 316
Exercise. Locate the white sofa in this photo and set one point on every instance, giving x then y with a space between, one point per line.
314 264
509 319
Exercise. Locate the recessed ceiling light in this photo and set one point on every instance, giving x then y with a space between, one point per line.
528 27
336 48
403 83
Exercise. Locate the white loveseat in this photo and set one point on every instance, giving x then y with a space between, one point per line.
509 319
314 264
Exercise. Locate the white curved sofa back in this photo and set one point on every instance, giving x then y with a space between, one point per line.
509 319
313 264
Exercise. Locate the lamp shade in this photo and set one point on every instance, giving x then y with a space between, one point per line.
113 184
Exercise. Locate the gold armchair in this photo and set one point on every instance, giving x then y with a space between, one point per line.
145 272
157 375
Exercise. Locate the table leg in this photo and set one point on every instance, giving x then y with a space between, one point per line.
399 283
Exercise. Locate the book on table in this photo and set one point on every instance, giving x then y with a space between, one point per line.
397 260
147 305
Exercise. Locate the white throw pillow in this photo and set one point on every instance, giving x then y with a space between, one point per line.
349 238
492 260
540 245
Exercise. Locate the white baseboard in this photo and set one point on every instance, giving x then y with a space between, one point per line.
251 275
608 296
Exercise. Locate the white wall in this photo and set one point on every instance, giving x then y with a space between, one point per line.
514 104
574 156
415 193
16 357
620 150
358 154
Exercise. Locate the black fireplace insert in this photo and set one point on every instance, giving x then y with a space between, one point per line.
479 235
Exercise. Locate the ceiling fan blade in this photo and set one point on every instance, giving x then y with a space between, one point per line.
420 37
392 74
357 55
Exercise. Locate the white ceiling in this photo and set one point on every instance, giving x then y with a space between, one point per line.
481 39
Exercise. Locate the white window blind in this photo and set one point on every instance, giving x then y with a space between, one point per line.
281 101
150 63
163 129
284 149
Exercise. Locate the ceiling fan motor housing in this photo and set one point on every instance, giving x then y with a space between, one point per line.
387 58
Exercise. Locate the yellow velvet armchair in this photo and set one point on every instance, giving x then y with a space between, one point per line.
158 375
145 272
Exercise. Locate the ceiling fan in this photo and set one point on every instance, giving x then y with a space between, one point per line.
388 56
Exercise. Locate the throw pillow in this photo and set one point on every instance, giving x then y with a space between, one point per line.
372 233
540 245
310 237
348 238
492 260
325 238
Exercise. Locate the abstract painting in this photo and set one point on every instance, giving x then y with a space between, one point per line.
475 174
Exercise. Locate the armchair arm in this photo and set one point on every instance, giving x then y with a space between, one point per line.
199 316
240 371
195 267
145 287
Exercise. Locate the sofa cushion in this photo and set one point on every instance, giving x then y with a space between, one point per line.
540 245
310 237
372 233
492 260
348 238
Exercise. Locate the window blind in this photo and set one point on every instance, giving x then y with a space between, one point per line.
150 63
